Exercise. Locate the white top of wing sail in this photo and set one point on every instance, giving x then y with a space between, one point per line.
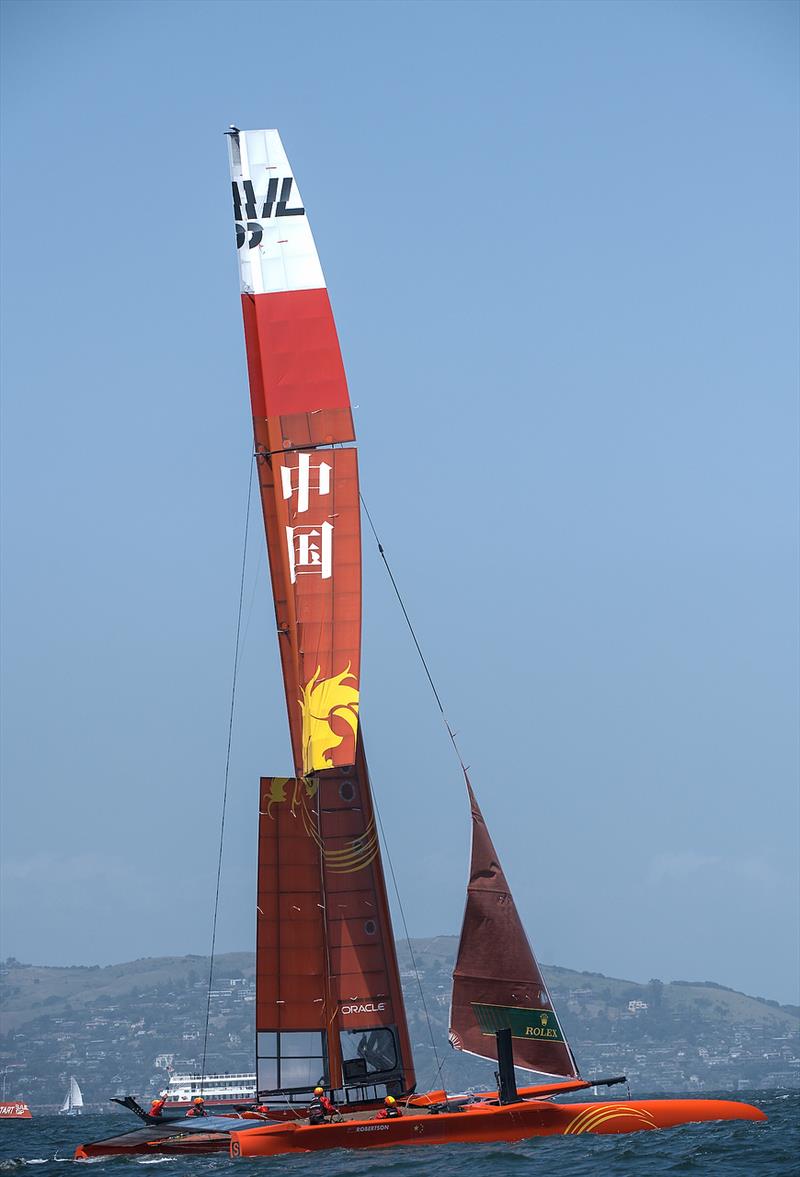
273 237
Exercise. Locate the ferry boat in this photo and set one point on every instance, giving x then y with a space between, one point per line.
218 1091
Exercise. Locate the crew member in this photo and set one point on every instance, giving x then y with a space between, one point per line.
261 1112
316 1112
156 1106
198 1107
390 1110
320 1107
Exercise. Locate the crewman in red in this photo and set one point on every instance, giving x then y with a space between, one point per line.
257 1113
320 1107
156 1106
390 1110
198 1107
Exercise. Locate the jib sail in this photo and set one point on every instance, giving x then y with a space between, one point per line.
328 997
497 982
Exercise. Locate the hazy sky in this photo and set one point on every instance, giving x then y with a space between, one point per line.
561 243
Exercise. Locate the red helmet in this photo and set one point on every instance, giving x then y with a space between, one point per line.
390 1099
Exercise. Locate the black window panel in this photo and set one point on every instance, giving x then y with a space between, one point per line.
292 1059
376 1048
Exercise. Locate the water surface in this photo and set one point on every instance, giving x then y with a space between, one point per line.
733 1149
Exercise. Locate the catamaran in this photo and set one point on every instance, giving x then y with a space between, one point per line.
329 1004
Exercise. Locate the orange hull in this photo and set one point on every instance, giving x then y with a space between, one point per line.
490 1122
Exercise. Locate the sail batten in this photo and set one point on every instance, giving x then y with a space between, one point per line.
497 982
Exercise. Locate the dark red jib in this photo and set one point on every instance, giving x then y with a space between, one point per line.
497 982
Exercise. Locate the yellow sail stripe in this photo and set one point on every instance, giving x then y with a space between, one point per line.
360 842
356 855
310 828
356 865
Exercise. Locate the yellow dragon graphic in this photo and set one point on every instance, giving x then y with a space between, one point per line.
324 700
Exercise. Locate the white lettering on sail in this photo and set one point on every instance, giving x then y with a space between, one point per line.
370 1007
310 551
304 484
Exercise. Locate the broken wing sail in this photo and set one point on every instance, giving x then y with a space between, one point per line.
497 982
329 1007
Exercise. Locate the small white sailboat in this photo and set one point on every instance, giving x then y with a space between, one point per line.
73 1100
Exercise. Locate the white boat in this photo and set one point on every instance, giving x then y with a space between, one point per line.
215 1089
73 1100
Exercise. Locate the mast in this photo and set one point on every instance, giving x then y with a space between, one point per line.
329 1006
497 982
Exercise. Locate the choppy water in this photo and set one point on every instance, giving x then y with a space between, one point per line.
733 1149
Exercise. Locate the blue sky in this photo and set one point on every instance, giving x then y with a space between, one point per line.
561 244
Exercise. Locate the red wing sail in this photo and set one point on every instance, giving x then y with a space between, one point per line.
291 974
312 519
497 982
297 380
309 491
327 982
364 976
328 991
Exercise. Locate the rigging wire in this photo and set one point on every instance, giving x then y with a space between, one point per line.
227 768
436 695
452 736
256 583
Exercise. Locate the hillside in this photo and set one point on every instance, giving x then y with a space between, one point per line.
28 991
109 1026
